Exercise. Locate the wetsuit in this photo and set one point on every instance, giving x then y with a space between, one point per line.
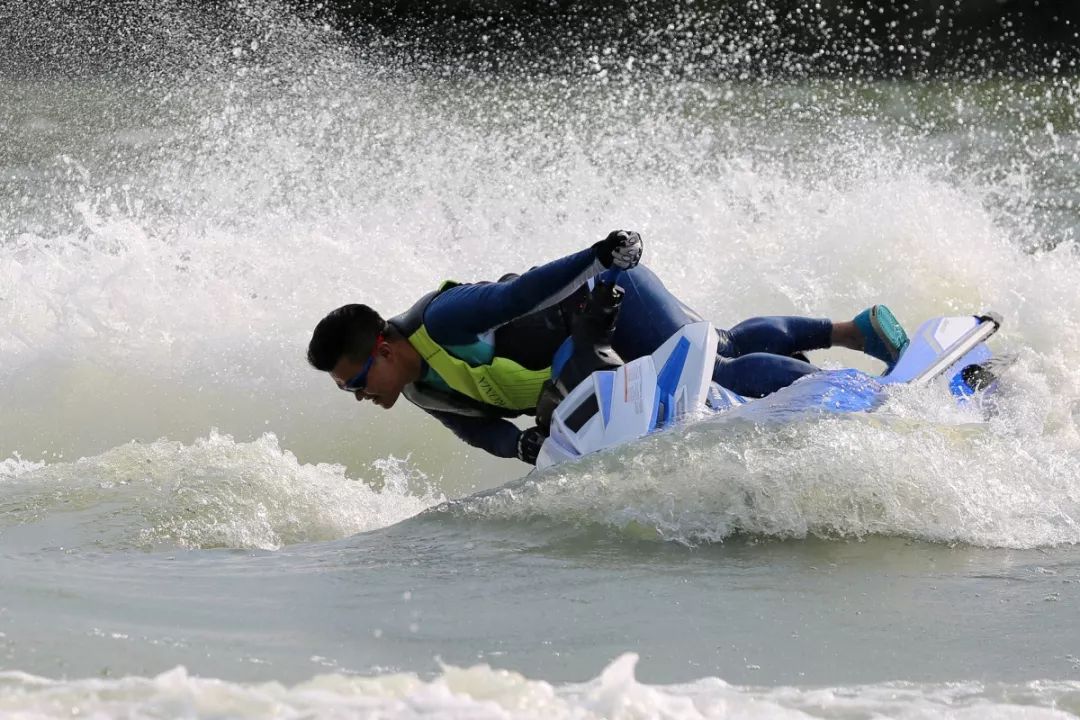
753 358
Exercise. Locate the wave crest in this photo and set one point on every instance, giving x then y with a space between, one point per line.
484 692
213 493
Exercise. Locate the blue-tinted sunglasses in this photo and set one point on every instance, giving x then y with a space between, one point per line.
359 381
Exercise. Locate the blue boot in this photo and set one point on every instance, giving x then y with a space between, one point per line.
884 336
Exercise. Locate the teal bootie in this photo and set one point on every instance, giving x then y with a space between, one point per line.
884 336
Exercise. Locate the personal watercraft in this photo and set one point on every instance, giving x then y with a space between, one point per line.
595 401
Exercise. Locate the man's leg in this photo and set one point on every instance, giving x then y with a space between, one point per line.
753 358
759 374
778 335
649 315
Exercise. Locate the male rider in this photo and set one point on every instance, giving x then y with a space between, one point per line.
475 354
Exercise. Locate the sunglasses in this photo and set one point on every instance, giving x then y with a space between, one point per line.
359 381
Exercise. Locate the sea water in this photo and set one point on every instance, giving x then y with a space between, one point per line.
195 523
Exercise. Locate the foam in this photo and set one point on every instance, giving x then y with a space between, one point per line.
15 466
484 692
214 493
949 481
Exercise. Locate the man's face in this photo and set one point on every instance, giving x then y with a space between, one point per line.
384 381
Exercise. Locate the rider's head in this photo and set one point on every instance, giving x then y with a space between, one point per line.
364 354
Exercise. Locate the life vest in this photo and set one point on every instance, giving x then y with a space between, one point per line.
507 386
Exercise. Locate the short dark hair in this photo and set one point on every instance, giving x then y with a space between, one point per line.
348 331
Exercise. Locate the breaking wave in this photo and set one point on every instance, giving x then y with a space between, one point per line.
484 692
214 493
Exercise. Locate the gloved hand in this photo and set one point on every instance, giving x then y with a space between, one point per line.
621 249
528 444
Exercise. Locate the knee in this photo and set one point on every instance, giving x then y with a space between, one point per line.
725 345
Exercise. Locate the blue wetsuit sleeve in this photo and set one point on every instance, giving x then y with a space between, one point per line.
460 314
495 435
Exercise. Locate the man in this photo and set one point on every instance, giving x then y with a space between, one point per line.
475 354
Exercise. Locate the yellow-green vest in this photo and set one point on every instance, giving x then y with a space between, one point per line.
502 383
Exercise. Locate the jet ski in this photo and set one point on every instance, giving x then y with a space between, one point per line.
595 401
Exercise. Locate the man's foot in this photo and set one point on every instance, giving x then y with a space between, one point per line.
884 336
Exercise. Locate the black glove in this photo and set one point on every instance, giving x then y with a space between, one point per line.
621 248
528 444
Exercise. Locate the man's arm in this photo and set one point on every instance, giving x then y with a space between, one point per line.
495 435
458 315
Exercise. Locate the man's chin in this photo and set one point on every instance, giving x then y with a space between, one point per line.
386 403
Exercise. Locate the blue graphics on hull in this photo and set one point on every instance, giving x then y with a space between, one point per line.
667 382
